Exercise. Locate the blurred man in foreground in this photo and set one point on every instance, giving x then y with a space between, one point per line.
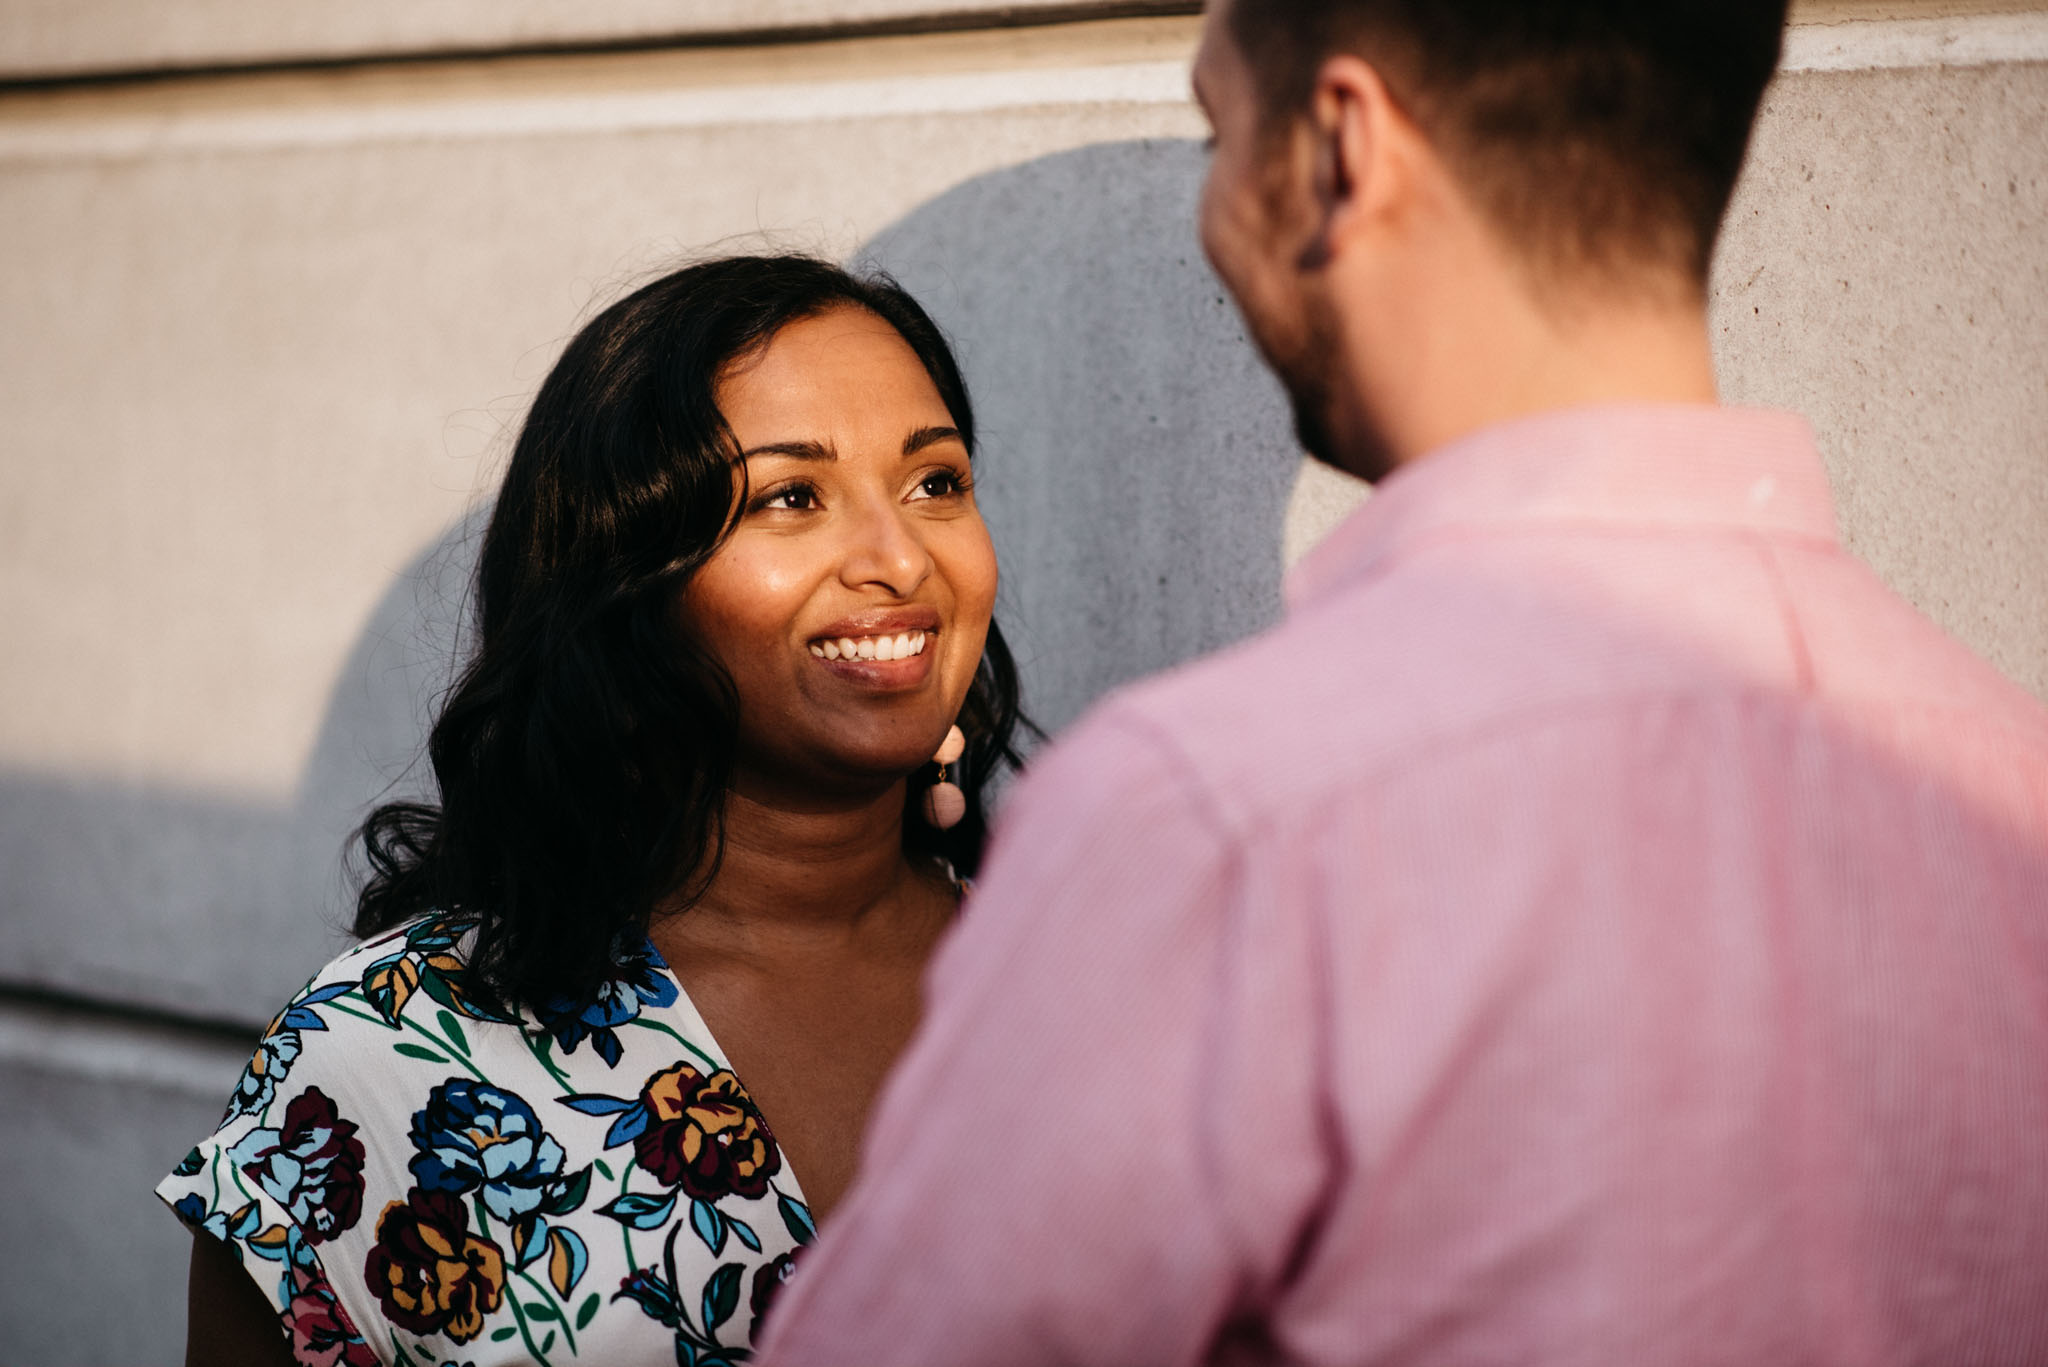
1601 925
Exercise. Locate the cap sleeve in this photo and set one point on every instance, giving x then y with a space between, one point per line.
272 1183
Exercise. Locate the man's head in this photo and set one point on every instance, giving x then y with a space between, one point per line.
1597 141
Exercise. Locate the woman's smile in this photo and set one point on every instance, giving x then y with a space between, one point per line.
881 650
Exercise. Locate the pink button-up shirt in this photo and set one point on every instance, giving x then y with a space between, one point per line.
1602 925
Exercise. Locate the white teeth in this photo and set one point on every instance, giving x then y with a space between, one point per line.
901 646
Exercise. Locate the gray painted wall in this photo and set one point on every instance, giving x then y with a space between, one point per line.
268 331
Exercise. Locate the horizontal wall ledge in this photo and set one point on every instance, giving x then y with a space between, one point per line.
1129 61
57 39
140 1048
1140 61
1852 43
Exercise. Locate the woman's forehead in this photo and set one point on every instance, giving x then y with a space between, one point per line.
841 370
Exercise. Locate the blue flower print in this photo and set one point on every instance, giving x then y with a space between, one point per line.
192 1211
472 1135
228 1227
269 1066
638 982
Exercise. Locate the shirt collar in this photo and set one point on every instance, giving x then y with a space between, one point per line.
1640 466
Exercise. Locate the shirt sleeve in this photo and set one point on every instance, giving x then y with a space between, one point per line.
1102 1146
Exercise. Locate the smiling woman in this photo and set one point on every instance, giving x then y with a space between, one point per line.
733 603
851 602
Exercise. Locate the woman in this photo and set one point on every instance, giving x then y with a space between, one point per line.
734 597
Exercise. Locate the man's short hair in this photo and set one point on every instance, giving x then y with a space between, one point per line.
1597 132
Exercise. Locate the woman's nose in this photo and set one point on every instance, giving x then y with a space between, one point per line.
884 550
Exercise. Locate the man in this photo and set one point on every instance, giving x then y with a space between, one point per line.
1601 925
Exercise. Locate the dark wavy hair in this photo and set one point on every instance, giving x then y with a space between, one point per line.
583 754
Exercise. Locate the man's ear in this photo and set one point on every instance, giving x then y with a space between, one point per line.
1354 123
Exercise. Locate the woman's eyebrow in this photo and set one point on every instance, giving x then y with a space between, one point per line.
930 436
796 450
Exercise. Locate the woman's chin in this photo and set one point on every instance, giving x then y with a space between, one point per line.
840 774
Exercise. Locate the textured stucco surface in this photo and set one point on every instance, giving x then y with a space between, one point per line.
267 336
1885 271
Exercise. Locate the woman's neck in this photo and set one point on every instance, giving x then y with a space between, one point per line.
800 875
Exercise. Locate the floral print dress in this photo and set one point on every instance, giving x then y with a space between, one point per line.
415 1180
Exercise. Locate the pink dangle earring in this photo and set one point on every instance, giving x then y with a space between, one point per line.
944 803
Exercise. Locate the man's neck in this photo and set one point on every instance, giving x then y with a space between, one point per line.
1485 346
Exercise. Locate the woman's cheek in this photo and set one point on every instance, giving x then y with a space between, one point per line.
751 591
978 574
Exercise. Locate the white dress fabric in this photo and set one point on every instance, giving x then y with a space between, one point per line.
413 1180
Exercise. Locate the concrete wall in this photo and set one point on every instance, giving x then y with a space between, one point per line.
267 329
57 38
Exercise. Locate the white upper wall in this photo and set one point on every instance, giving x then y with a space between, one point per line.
63 37
57 38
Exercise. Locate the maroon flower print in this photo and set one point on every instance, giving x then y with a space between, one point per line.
312 1165
321 1333
769 1279
430 1273
704 1135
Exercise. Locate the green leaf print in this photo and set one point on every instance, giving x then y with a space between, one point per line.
453 1029
796 1219
721 1296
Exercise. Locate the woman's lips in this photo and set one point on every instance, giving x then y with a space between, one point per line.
886 647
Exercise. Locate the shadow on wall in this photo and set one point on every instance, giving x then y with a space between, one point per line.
192 907
1136 457
212 908
1137 463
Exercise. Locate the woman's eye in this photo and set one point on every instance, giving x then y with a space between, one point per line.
794 497
940 484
